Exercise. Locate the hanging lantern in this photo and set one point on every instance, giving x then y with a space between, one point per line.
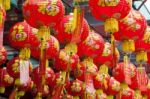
65 31
107 56
46 12
5 80
64 59
113 87
13 67
92 46
120 72
110 12
125 92
3 55
142 47
131 28
52 48
22 35
76 88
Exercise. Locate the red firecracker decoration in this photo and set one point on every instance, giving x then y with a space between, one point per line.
22 35
52 49
107 56
64 32
92 46
46 13
3 55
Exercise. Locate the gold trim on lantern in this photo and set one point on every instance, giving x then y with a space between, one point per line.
104 3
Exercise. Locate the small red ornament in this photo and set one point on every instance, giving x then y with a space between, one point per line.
13 67
92 46
107 56
52 49
113 87
43 13
64 60
103 10
119 71
101 81
3 55
64 32
5 78
22 35
131 27
76 88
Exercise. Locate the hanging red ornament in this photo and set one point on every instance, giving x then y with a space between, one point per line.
64 32
107 56
64 59
3 55
120 72
113 87
52 48
45 13
131 28
76 88
110 12
5 80
92 46
22 35
13 67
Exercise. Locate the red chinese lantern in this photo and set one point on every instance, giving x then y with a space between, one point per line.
107 56
125 93
13 67
52 48
5 80
65 32
113 87
22 35
45 13
120 72
101 81
110 12
3 55
92 46
131 28
76 88
64 60
86 66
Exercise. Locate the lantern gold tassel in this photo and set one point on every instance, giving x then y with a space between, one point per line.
111 25
76 97
128 46
141 56
6 4
2 90
110 97
25 53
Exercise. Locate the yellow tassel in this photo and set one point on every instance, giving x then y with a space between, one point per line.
146 37
25 53
128 46
76 97
75 19
111 25
99 91
44 33
103 69
6 4
110 97
2 90
39 96
71 48
141 56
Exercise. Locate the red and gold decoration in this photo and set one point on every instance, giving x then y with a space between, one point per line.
3 55
23 35
92 46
